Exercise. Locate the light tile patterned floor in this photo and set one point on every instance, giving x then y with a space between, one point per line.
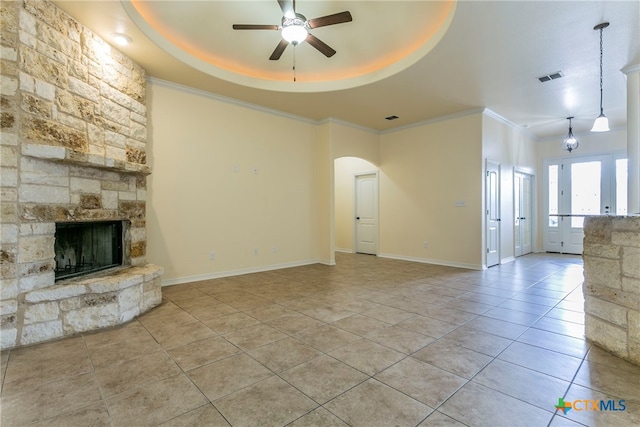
369 342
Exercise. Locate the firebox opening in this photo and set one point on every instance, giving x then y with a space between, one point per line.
86 247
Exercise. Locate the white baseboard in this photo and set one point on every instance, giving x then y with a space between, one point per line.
344 250
229 273
434 261
507 260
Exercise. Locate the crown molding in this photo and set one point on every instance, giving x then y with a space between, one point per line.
228 100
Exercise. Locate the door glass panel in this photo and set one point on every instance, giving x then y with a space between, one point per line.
621 186
553 195
585 191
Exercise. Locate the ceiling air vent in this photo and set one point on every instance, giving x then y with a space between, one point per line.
391 118
551 76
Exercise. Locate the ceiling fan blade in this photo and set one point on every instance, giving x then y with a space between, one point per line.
320 45
255 27
336 18
288 8
277 53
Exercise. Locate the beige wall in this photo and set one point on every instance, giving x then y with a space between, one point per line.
199 203
512 148
205 197
424 170
350 141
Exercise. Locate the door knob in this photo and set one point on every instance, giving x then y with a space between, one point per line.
357 217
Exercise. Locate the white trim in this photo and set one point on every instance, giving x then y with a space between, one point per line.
434 261
495 116
344 250
229 273
507 260
220 98
633 68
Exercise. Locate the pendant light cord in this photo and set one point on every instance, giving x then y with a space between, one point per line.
601 110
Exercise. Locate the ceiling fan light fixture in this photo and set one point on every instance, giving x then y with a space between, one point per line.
294 33
570 143
294 28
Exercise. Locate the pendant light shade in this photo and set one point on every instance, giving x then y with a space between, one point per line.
570 142
602 123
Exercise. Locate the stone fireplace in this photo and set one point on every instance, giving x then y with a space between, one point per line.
83 248
73 152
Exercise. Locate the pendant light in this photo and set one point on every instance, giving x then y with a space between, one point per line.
570 142
602 123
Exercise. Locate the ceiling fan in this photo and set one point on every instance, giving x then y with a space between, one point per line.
295 28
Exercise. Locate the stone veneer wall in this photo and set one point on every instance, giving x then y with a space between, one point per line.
73 141
612 284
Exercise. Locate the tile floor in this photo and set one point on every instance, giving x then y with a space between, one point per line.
369 342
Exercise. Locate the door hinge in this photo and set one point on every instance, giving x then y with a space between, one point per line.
562 244
487 250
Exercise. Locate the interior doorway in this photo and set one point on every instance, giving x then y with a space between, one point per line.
346 172
366 214
523 213
492 221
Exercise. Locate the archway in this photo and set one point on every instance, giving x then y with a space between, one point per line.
346 169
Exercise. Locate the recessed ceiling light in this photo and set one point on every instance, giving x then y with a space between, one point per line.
121 39
392 118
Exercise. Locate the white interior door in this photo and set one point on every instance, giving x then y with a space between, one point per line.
523 213
492 200
366 209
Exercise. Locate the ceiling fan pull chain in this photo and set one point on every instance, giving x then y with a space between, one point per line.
294 63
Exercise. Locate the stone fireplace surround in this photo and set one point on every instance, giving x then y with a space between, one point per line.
73 148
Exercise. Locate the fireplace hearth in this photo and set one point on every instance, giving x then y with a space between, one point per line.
86 247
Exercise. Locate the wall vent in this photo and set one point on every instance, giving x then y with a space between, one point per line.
551 76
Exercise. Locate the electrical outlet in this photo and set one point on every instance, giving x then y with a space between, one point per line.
212 256
236 169
425 244
274 250
255 251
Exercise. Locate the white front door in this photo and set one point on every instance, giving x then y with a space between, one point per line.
366 209
492 196
523 213
576 187
586 191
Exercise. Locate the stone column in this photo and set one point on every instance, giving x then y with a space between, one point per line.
633 136
612 284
